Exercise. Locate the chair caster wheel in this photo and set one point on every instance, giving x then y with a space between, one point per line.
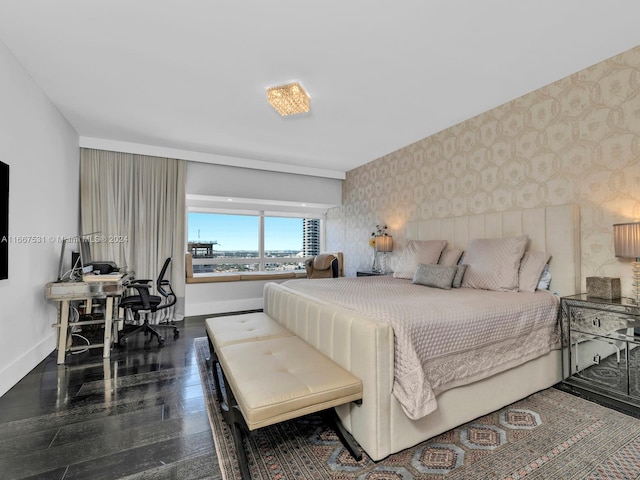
176 334
161 341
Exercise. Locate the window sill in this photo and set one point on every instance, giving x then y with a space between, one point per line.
243 277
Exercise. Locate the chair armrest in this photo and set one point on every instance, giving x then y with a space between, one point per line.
143 291
170 296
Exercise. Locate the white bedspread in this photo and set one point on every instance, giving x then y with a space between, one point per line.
445 338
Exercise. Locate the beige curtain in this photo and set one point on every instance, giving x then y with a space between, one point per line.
136 203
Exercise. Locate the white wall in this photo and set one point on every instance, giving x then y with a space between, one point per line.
225 181
223 297
41 149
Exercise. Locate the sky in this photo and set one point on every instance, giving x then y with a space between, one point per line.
240 232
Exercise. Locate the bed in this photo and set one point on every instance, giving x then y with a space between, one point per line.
364 341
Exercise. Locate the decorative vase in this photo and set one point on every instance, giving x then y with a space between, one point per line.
375 267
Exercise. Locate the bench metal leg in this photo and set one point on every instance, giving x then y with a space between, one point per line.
237 431
214 368
233 417
345 437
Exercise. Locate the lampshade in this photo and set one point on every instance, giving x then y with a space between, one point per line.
384 243
626 240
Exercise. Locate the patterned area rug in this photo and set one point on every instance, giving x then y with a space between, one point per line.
549 435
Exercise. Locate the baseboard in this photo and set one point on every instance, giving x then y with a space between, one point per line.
202 318
16 370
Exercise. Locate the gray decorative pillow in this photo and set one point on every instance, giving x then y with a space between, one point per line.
432 275
457 279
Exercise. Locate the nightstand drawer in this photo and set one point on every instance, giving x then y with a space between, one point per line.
603 363
599 322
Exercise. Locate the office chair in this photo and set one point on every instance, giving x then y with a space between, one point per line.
145 303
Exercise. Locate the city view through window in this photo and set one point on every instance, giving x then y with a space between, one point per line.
232 243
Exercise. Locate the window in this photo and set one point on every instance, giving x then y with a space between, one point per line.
239 243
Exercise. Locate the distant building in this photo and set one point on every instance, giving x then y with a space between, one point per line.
201 249
310 237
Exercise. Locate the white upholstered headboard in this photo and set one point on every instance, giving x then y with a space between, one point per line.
552 229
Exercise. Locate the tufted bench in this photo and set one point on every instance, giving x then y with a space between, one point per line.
270 375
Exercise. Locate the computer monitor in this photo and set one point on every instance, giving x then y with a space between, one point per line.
62 272
77 266
85 255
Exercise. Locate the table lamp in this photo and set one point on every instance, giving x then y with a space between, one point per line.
384 244
626 242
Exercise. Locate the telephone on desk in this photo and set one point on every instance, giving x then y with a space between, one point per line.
104 268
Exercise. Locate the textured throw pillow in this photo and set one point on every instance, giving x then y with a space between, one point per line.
432 275
531 267
415 253
457 280
450 256
493 263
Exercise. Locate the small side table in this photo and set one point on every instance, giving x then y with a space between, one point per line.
369 273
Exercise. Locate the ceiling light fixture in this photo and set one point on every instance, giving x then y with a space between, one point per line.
289 99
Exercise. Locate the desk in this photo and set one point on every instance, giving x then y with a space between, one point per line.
65 292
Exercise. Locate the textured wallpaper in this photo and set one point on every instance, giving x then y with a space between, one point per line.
574 141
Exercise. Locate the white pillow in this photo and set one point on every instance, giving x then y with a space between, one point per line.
531 267
493 263
415 253
450 256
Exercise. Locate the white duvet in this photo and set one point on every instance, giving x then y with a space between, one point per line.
445 338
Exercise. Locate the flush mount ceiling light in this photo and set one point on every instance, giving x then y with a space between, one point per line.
288 99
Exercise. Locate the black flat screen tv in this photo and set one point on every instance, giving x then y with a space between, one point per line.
4 221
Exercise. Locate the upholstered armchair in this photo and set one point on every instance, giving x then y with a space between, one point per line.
325 265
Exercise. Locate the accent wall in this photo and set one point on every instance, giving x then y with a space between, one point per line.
574 141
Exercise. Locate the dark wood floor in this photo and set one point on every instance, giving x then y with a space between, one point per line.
138 415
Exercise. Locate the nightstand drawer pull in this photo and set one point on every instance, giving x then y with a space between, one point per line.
596 359
596 322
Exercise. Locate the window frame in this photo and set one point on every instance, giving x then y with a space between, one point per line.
261 260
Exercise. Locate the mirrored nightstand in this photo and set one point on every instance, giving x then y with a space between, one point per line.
601 354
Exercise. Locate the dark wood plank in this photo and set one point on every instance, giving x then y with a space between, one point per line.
140 415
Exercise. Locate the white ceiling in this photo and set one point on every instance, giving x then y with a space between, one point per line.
192 75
